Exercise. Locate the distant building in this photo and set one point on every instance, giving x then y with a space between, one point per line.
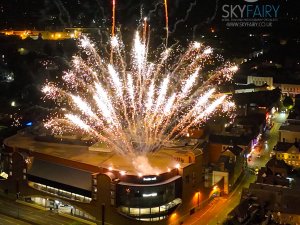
293 118
227 155
267 204
267 201
274 173
66 33
289 152
244 88
257 102
43 34
260 80
280 204
289 133
289 89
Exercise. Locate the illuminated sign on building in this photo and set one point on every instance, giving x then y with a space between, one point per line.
150 195
149 178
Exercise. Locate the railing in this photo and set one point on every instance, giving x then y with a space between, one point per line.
59 192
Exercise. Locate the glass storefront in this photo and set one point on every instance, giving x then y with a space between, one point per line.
148 202
59 192
60 207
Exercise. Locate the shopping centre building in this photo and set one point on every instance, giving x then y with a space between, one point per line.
91 182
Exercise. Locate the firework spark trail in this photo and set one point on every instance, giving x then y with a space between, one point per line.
185 18
167 21
153 10
208 20
101 8
113 18
145 25
113 28
60 14
205 113
200 103
63 11
138 107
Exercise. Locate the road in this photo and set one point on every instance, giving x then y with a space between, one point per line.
216 212
14 213
6 220
271 139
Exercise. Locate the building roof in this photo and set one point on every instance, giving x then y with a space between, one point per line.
273 162
266 176
286 147
161 160
290 127
225 160
255 119
260 98
276 198
249 86
230 139
62 174
236 150
241 210
294 117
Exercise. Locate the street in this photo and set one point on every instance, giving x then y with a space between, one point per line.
15 213
216 213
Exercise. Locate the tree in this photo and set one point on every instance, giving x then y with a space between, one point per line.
288 102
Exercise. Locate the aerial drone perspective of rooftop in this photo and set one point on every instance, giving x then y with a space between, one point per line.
149 112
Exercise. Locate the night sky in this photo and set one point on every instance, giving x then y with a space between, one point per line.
186 17
40 13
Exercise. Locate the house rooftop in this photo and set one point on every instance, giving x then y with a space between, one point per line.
260 98
283 146
290 127
229 139
278 198
273 162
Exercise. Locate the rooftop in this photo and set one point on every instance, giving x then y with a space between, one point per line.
290 127
260 98
162 160
283 146
230 139
279 198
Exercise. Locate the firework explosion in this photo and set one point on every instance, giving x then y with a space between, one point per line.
137 107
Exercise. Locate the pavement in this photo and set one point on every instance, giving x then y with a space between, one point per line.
12 212
7 220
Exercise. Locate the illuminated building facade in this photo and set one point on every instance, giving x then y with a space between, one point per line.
260 80
100 186
289 152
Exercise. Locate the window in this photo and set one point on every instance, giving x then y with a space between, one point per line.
187 179
94 181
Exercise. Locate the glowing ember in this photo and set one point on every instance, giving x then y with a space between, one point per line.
136 107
